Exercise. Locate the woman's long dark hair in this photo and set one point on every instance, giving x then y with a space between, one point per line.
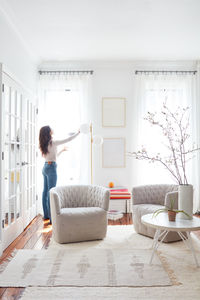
44 139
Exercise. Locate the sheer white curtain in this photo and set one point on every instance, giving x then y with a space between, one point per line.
196 130
56 92
178 90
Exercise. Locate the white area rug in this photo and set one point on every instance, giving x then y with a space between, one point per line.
176 259
92 264
89 267
114 293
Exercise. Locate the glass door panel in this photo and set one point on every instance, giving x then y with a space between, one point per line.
12 130
12 208
12 155
7 99
18 105
18 164
12 104
18 130
7 127
18 203
18 193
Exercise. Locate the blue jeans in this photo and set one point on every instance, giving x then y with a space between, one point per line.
49 172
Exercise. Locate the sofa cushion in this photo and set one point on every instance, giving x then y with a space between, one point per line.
81 212
141 210
80 224
144 209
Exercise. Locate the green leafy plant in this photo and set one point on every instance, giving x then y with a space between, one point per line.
169 208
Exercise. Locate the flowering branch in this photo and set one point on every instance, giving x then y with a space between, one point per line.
174 127
142 155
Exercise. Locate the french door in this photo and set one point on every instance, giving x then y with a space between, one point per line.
18 164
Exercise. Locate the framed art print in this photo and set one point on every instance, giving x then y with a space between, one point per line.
113 112
113 153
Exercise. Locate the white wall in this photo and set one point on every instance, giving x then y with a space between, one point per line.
116 79
14 56
112 82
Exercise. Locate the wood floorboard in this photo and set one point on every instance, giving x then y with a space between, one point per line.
126 220
45 237
22 239
30 244
2 290
12 293
37 235
26 240
47 240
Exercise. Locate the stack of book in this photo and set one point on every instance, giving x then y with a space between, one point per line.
119 193
114 215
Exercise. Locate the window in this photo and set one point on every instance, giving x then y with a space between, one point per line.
176 91
62 114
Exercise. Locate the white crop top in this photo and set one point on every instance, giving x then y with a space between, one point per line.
52 148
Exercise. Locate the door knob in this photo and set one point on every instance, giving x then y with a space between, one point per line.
24 163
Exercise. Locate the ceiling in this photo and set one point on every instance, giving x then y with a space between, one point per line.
55 30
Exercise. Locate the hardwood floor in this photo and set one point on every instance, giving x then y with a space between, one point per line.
126 220
37 236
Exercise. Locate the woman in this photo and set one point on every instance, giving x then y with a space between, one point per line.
48 147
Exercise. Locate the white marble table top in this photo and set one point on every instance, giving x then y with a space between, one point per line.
161 221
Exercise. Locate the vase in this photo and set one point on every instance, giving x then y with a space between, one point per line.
185 201
171 215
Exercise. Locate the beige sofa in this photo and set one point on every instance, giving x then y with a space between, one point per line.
147 199
79 212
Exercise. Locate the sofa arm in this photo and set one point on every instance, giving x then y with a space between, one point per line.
55 202
171 197
98 196
105 199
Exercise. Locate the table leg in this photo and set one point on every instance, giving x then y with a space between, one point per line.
192 248
188 243
155 238
184 238
154 245
158 234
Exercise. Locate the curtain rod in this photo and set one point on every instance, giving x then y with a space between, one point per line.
164 72
65 72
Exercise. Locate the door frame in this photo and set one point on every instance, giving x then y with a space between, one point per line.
1 153
8 234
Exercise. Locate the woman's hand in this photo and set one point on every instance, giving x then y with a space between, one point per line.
65 149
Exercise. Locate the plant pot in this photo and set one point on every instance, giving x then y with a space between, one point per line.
171 215
185 200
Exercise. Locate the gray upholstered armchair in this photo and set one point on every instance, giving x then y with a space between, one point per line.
147 199
79 212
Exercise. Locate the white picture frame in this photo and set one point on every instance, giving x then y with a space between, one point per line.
113 153
113 112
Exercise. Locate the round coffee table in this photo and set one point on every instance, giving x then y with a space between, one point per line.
163 226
